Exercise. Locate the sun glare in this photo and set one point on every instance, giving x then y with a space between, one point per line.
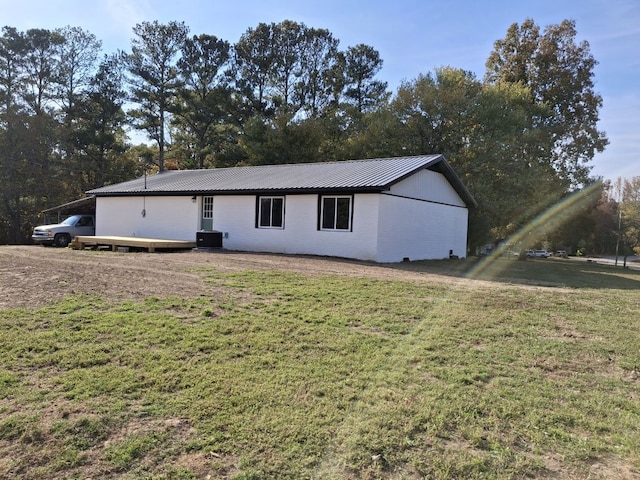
534 231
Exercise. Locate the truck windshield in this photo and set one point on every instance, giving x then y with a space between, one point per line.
71 220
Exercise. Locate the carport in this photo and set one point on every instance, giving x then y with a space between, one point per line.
56 214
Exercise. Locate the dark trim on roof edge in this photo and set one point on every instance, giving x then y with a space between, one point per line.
440 165
435 202
455 181
297 191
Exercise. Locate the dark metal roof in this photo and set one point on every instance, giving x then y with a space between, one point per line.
374 175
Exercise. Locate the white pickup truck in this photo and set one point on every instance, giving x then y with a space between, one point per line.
61 234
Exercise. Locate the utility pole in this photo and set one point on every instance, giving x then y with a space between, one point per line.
619 232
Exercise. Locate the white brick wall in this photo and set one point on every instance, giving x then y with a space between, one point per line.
420 230
386 228
171 218
236 215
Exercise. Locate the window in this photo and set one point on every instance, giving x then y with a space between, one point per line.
206 222
86 222
207 207
270 212
335 213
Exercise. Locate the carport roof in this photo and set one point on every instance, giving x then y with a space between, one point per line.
373 175
82 205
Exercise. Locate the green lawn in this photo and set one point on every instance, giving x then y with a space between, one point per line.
531 372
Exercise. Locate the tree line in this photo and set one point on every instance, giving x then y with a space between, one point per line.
616 218
521 137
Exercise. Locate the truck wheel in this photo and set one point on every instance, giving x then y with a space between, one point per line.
62 240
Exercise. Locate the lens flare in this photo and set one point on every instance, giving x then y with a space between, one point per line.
539 227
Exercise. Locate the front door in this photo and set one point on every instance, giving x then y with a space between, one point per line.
206 219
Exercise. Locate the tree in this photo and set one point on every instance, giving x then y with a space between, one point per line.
12 50
437 111
362 63
630 216
487 133
288 69
291 79
100 132
77 56
322 77
204 100
155 77
288 38
603 225
41 63
13 47
559 74
29 130
253 67
504 160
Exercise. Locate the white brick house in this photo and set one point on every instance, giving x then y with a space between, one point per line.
383 210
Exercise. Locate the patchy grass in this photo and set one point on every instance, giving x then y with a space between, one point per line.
299 376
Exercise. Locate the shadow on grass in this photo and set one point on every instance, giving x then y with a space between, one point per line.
571 273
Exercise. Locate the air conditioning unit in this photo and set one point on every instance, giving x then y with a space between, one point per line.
209 239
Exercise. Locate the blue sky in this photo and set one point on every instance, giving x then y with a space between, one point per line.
412 36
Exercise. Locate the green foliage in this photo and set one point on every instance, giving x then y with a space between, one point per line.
629 213
559 73
125 453
62 123
204 103
285 92
155 50
488 133
289 70
297 376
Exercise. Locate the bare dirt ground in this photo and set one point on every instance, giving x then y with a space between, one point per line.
32 276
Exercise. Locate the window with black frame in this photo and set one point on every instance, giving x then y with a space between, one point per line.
270 212
336 212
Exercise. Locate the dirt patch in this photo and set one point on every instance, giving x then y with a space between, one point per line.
32 276
605 469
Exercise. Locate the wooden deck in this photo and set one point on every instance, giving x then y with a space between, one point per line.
151 244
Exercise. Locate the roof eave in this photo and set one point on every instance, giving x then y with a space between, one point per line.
291 191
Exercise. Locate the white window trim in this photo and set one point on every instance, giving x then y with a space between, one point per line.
207 202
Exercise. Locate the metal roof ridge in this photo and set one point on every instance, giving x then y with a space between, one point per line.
431 156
